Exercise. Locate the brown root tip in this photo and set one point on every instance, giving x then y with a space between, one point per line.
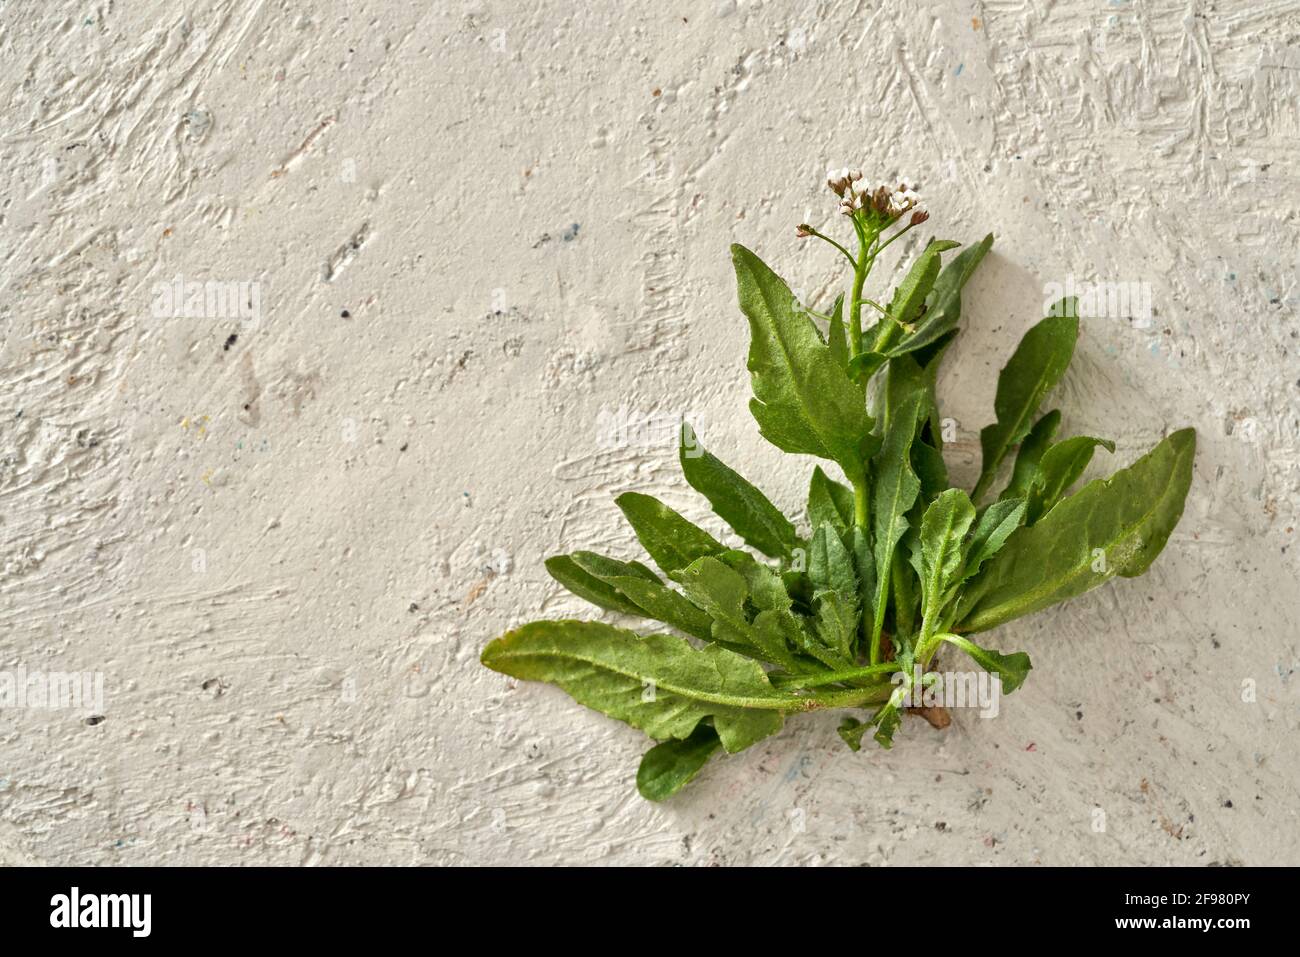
938 717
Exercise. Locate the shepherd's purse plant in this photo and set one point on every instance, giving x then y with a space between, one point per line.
897 563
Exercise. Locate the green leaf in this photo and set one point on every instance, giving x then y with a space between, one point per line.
927 451
943 305
669 766
927 355
830 569
904 582
852 730
867 448
864 365
945 302
565 571
1013 668
887 719
722 592
768 594
995 525
659 683
1025 472
906 380
766 587
736 501
601 567
896 488
909 297
829 502
836 337
1034 370
1060 468
931 426
649 596
672 541
836 625
864 564
1113 527
804 401
829 565
930 468
943 532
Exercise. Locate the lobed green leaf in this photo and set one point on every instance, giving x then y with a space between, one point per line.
994 527
942 538
804 401
829 502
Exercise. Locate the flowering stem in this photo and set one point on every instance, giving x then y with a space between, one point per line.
860 270
897 234
847 255
861 495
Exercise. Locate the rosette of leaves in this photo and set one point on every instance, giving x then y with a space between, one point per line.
896 562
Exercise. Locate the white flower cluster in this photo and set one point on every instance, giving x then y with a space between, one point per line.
856 193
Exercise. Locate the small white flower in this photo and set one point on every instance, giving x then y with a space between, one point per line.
837 181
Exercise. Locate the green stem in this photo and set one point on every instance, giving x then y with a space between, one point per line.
860 269
882 598
861 495
926 650
835 677
936 628
851 698
861 498
847 254
893 237
926 643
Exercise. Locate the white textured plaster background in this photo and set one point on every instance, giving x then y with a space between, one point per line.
286 551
